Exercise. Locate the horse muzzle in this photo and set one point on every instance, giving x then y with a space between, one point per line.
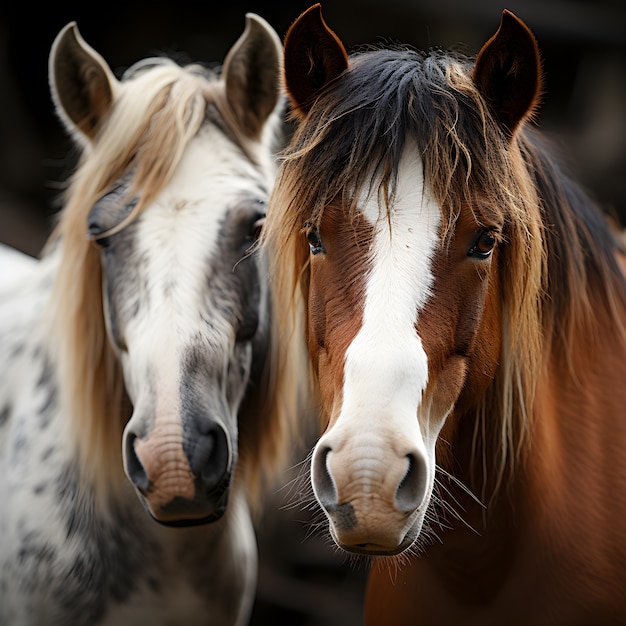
374 490
182 479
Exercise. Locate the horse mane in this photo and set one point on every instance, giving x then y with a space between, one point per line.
586 286
161 108
359 126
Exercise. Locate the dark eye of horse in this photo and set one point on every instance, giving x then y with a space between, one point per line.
103 242
95 234
315 243
483 244
109 211
257 224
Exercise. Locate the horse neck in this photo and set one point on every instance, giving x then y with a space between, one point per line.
565 495
580 427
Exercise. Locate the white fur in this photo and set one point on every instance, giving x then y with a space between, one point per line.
386 368
67 556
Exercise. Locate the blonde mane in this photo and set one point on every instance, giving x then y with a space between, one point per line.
160 109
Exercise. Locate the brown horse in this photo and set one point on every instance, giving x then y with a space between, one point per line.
141 419
464 311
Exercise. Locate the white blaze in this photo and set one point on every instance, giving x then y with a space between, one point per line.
386 368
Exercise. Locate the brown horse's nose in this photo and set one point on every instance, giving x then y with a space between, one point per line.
409 493
372 487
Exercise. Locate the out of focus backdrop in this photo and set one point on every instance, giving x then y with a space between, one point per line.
303 579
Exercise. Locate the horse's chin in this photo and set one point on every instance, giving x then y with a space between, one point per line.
181 512
186 523
373 549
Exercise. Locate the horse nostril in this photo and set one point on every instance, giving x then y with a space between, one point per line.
135 470
323 484
412 487
209 456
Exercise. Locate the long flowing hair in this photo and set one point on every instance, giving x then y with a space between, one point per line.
161 108
551 286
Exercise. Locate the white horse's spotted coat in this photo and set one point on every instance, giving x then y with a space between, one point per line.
187 314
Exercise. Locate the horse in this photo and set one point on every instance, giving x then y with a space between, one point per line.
140 411
461 303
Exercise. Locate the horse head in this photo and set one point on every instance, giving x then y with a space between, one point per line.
171 193
401 239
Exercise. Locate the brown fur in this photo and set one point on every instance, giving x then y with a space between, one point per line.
451 160
538 425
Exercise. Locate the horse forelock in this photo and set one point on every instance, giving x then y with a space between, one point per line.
161 108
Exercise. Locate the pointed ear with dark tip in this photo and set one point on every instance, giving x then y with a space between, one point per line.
251 72
82 85
314 56
508 72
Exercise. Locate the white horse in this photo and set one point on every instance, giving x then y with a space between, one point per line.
138 413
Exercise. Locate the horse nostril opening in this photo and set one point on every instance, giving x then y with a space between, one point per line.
134 468
323 484
209 456
412 487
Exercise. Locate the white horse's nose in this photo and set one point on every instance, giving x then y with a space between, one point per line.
183 474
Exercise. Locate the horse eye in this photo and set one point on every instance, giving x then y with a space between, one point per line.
256 227
315 242
483 244
103 242
256 221
95 233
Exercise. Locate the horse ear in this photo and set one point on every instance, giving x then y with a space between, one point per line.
251 73
82 85
508 72
314 56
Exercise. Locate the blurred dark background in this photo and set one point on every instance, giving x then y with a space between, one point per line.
303 580
583 43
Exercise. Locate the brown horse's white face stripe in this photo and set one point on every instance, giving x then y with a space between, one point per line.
373 470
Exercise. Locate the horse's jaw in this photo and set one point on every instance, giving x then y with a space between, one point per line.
180 513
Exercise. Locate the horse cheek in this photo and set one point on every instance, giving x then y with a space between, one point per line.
484 355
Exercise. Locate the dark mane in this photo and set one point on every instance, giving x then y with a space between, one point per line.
360 125
557 266
581 244
387 96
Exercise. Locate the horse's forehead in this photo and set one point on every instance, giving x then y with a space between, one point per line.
215 167
406 231
214 184
185 253
412 204
406 235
